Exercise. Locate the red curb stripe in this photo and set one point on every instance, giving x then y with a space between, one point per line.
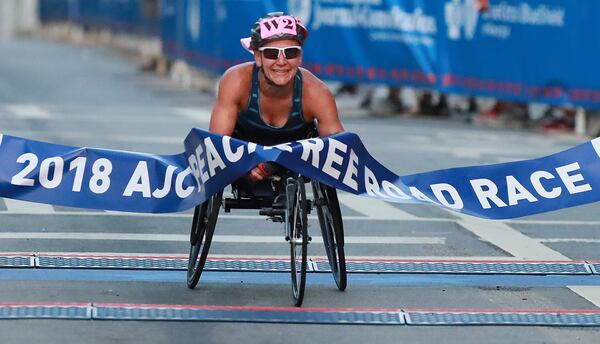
464 261
503 311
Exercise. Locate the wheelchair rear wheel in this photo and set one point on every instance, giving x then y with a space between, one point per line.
297 229
332 229
203 228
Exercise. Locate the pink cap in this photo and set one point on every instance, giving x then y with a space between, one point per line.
273 27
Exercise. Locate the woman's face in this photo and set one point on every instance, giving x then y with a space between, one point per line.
279 71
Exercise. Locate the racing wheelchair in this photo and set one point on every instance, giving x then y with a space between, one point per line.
282 198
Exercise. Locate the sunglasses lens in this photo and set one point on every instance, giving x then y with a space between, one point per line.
291 53
271 53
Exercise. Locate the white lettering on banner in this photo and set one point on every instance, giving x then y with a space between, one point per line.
45 180
486 191
394 191
139 181
541 15
179 190
440 189
498 20
213 157
333 157
1 136
201 164
516 191
314 147
390 190
416 193
570 180
229 154
393 18
371 184
193 165
251 147
161 193
79 166
19 178
351 171
539 188
282 147
100 181
595 144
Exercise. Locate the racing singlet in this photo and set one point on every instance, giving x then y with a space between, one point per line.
251 127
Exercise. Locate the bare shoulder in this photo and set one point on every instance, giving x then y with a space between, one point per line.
318 103
313 86
317 99
235 83
237 74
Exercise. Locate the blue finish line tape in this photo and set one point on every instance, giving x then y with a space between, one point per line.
342 316
136 182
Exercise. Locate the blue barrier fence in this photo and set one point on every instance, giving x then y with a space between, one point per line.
522 50
140 17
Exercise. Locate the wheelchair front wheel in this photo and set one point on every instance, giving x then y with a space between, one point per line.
203 228
332 229
297 229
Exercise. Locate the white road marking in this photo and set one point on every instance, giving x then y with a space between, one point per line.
22 207
555 222
466 153
558 240
374 208
80 135
590 293
216 238
508 239
221 216
199 114
148 139
596 145
345 217
28 111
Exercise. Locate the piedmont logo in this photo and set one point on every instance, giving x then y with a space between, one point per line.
193 19
301 9
461 16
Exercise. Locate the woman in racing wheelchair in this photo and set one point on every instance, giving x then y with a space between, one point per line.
271 101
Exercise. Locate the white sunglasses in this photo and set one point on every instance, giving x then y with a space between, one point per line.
272 53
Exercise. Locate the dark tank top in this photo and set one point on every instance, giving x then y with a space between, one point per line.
251 127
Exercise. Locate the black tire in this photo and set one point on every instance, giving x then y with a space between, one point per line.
297 227
332 229
203 228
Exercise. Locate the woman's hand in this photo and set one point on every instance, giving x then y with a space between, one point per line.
261 172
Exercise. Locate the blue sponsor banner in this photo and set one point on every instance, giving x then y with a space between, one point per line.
522 50
127 181
53 10
128 16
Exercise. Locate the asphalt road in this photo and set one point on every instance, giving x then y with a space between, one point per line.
88 96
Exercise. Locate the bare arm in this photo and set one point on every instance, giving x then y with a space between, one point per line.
224 113
321 104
